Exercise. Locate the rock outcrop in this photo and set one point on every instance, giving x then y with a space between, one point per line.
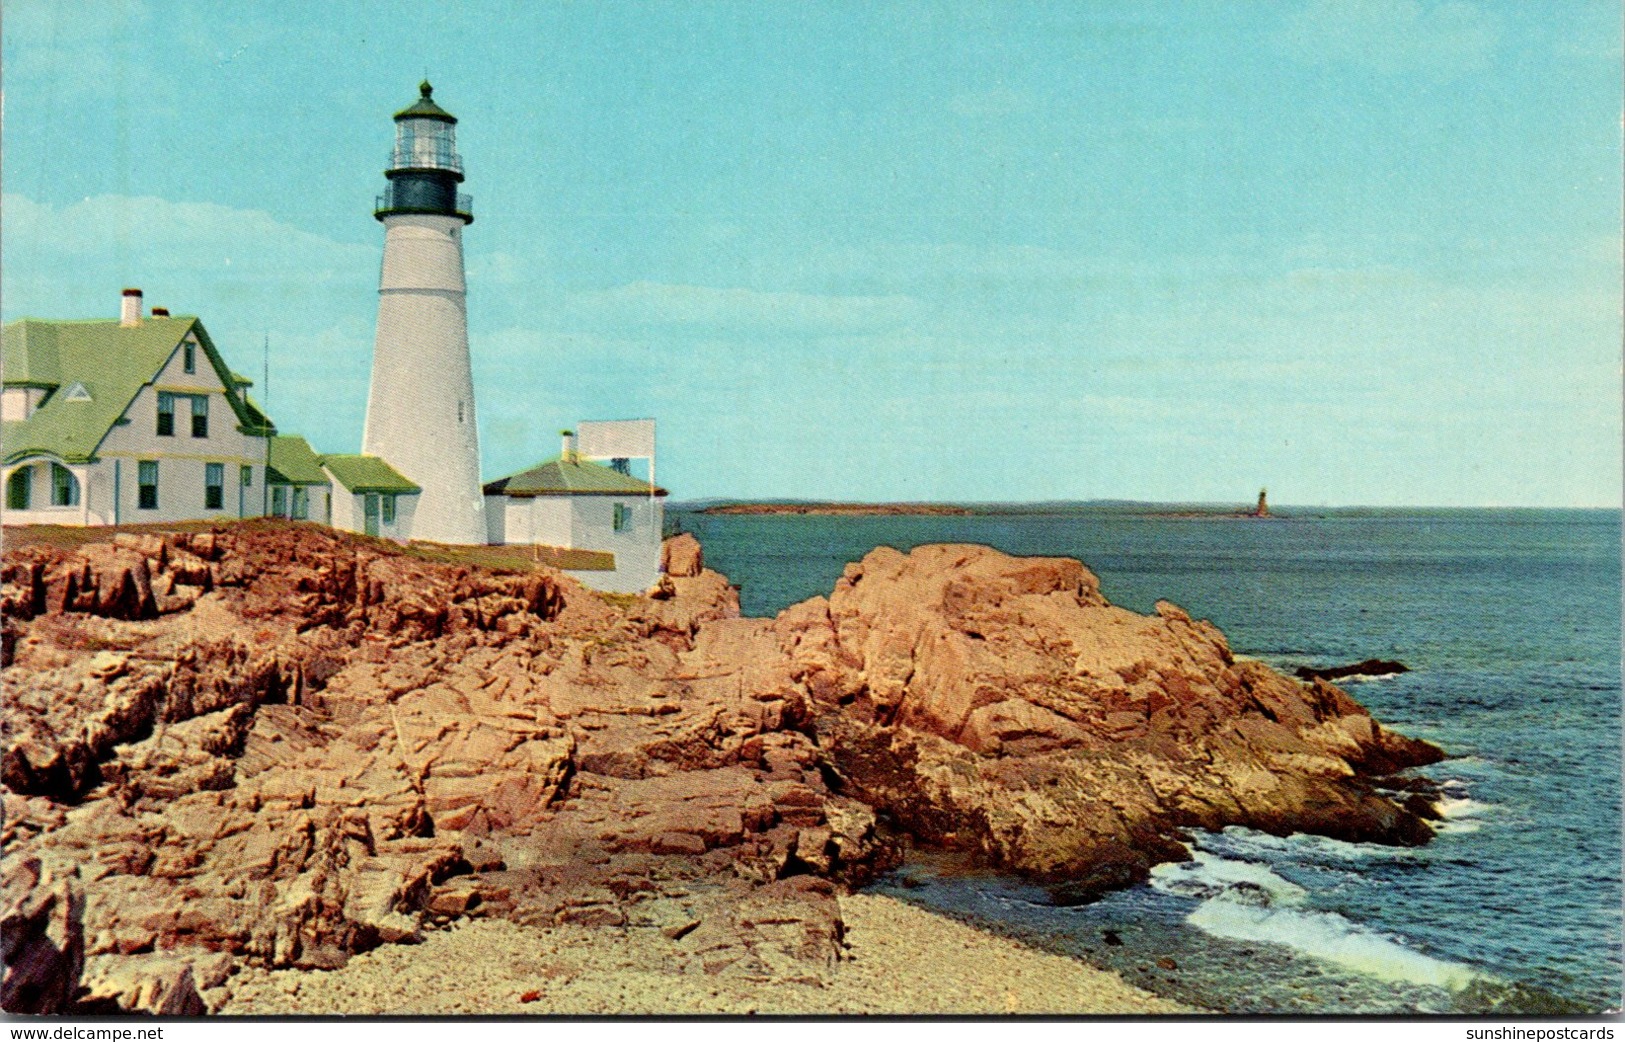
1371 667
280 745
681 555
1002 705
42 944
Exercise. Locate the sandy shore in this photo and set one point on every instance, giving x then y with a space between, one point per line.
901 959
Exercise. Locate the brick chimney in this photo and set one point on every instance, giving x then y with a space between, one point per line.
130 311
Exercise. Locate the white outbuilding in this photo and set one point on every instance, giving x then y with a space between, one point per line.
573 503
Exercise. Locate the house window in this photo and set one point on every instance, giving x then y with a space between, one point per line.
20 489
621 465
214 486
146 476
64 487
247 475
623 517
301 503
189 357
279 500
200 416
389 509
166 414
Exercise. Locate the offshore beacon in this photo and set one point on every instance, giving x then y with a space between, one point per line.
420 408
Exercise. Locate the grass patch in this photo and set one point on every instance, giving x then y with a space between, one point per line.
513 558
495 558
72 537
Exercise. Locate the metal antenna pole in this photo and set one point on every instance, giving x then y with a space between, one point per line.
265 416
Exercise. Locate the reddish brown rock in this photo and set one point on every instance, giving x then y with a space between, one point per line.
152 985
42 945
681 555
1002 705
345 745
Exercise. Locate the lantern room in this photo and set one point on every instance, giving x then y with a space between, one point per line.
424 169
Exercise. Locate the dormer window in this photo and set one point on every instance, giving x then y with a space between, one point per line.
189 357
76 393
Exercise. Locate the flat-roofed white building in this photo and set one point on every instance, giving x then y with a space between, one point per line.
573 503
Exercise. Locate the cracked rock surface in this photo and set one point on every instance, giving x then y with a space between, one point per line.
276 746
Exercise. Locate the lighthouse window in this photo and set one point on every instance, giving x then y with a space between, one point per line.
623 517
459 412
389 509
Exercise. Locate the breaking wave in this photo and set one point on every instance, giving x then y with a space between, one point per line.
1247 901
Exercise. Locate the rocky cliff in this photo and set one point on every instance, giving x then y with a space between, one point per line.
280 745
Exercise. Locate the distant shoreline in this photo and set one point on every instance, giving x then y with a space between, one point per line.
844 509
951 510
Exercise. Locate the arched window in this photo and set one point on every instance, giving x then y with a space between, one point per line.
20 488
64 487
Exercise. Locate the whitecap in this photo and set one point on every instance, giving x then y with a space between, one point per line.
1453 807
1329 937
1248 901
1249 844
1445 828
1208 875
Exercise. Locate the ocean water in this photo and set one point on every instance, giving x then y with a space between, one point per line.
1510 622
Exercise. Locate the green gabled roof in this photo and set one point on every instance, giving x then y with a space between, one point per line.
570 476
112 361
367 474
293 462
425 107
257 423
30 355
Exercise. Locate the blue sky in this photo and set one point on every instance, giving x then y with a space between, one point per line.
1361 252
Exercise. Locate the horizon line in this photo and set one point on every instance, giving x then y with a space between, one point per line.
1115 502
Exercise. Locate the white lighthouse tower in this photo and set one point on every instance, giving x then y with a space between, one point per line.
420 409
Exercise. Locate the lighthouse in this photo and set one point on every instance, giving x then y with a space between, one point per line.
420 408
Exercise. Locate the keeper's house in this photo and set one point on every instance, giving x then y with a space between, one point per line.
140 419
107 422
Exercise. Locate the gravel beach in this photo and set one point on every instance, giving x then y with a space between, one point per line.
900 960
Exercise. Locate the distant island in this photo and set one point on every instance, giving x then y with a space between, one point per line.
841 509
814 507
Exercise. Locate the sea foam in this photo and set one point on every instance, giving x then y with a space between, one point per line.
1247 901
